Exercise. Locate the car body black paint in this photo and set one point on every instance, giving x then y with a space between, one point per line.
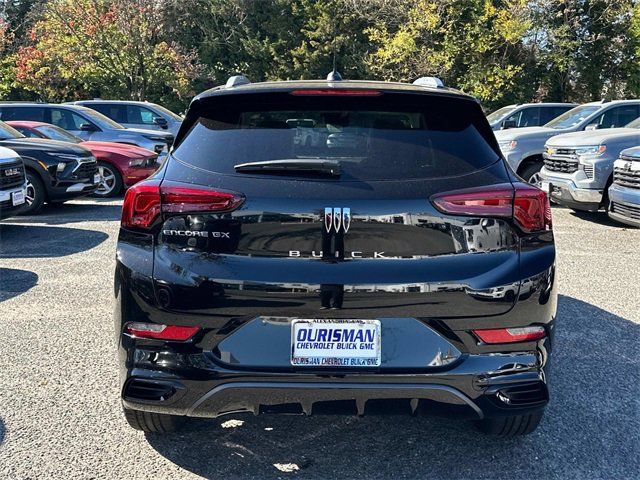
442 276
39 156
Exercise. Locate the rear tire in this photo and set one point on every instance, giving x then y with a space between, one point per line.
511 426
36 194
531 174
151 422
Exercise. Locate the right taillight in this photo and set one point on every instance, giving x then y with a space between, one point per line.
526 204
145 201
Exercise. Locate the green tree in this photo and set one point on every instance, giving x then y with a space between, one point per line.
111 48
475 45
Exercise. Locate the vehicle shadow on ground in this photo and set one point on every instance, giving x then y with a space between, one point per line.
15 282
589 431
2 431
31 241
601 218
59 214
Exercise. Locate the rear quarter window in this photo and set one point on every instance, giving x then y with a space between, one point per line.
390 137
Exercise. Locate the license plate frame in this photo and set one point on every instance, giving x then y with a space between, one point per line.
18 198
348 347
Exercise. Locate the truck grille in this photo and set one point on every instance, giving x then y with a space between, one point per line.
85 170
626 210
626 178
564 165
11 175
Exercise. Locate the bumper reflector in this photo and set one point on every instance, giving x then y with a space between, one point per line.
160 332
511 335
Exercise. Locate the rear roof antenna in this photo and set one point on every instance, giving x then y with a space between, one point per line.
334 76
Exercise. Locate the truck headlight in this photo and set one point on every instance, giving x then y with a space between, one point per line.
591 150
507 145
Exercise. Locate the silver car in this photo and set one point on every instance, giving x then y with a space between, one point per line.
578 167
132 114
526 115
87 124
523 147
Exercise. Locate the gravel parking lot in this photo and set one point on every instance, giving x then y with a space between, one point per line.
60 414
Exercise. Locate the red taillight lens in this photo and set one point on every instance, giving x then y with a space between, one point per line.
141 205
146 200
528 205
336 92
511 335
178 199
531 208
160 332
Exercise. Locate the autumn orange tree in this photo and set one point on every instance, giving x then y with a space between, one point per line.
112 48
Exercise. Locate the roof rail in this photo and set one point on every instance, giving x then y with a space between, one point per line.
433 82
236 81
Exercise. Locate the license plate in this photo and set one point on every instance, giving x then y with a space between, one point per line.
17 198
96 178
335 343
545 186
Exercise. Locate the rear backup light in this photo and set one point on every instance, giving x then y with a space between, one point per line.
144 202
511 335
160 332
526 204
330 91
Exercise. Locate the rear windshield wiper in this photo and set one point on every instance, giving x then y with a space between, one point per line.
318 166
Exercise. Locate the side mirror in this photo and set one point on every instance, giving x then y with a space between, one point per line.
160 121
591 126
88 127
509 124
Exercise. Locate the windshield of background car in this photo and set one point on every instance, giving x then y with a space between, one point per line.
633 124
7 132
101 120
573 117
57 133
500 114
389 137
168 112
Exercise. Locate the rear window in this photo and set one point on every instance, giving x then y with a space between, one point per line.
390 137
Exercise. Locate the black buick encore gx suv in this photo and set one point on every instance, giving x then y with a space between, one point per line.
335 246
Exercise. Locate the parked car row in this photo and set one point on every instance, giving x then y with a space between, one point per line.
68 150
582 158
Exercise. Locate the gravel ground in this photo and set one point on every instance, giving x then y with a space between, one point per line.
60 415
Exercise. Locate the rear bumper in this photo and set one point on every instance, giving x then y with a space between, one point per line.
483 386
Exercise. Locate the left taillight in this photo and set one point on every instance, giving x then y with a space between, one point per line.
176 333
527 205
145 201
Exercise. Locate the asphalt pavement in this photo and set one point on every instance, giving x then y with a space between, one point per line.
60 414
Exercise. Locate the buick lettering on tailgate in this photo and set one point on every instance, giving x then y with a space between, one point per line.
335 343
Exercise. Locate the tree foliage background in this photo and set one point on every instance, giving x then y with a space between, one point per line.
501 51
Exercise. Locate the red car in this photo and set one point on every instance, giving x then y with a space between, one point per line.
120 165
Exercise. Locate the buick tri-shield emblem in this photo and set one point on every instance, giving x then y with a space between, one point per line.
336 219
